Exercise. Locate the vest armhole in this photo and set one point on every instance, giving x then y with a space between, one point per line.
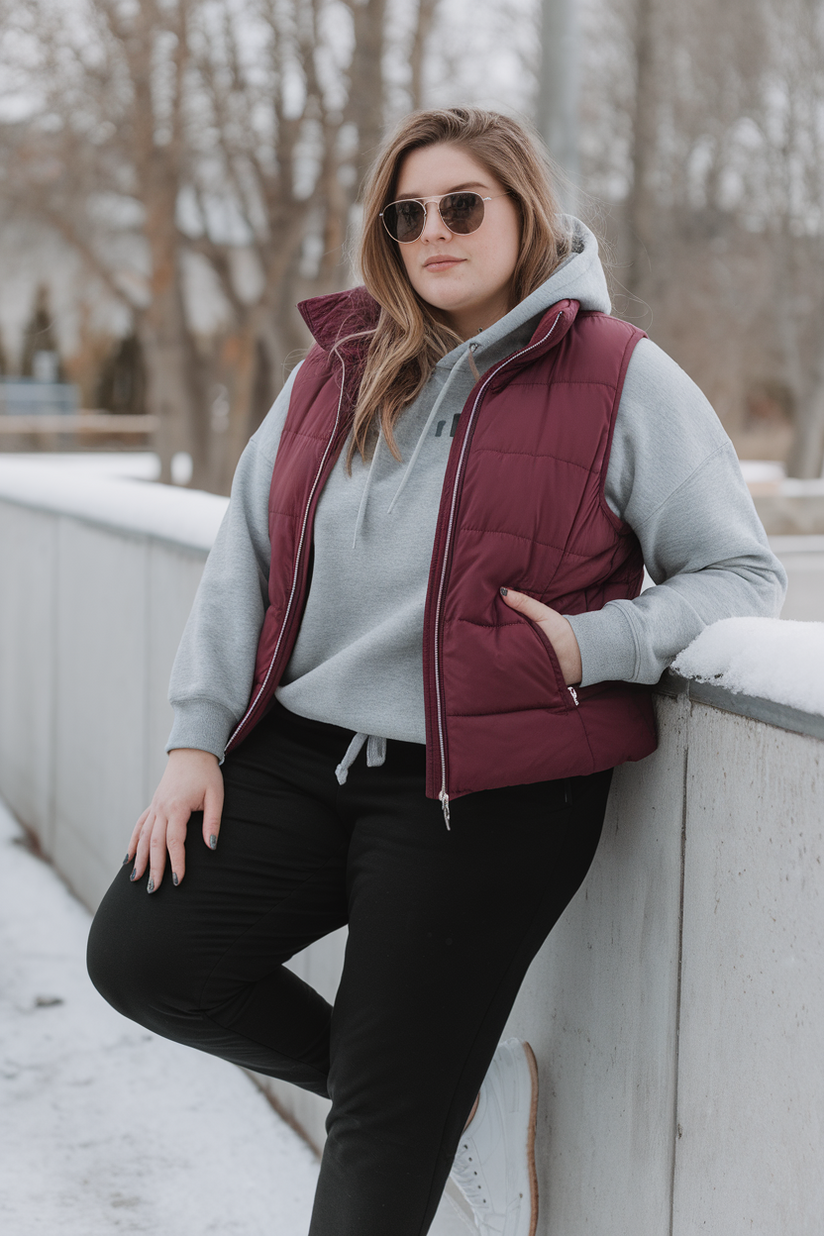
635 336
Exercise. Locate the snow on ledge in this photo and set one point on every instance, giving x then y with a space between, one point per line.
770 658
184 516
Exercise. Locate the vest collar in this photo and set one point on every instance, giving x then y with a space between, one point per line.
565 312
333 317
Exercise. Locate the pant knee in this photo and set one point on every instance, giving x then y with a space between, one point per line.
108 967
129 965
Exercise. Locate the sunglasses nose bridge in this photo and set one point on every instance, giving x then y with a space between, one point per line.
432 215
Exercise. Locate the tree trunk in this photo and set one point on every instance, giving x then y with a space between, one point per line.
366 90
240 354
806 459
417 55
175 384
558 94
642 205
174 393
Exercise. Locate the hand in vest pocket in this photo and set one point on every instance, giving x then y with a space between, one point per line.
556 629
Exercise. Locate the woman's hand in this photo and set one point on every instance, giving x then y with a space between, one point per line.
192 782
555 627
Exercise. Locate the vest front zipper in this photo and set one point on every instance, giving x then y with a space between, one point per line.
296 571
443 796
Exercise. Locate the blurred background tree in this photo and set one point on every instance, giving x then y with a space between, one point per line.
179 145
202 160
722 232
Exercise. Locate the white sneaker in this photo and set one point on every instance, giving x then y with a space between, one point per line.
494 1167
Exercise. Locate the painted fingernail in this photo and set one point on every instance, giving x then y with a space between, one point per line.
133 876
125 860
504 592
213 842
175 880
150 885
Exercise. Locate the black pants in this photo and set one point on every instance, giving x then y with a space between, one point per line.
442 928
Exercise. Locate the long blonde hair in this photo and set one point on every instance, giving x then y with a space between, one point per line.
411 336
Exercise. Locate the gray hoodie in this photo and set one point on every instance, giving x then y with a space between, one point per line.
673 476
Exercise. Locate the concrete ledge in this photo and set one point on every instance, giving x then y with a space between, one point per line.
185 518
83 422
780 715
793 508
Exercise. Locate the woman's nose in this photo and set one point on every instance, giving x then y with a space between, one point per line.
434 227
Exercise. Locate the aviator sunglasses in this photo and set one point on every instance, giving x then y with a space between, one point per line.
462 213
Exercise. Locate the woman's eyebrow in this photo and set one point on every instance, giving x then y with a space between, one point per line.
470 184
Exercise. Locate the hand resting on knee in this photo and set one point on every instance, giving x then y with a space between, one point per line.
192 782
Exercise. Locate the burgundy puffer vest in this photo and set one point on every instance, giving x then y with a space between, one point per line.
522 505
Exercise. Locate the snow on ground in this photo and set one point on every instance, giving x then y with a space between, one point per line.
770 658
106 1128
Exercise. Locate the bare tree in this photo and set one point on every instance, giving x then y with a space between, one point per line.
290 141
720 144
228 132
227 139
101 159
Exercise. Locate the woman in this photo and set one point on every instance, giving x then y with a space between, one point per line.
434 548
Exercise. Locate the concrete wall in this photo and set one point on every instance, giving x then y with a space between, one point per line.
803 560
677 1011
89 620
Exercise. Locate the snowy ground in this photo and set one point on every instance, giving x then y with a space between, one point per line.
106 1128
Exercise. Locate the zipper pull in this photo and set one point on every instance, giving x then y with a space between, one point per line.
444 798
574 695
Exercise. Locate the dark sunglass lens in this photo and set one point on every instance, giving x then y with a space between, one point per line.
404 220
462 212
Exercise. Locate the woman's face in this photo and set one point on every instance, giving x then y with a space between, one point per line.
468 277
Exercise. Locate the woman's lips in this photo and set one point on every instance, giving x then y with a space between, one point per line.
441 263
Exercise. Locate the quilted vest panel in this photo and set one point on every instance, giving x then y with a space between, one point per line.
529 512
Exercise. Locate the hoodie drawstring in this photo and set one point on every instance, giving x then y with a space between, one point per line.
375 754
365 495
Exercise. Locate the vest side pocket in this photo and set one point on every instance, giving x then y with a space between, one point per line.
503 667
564 694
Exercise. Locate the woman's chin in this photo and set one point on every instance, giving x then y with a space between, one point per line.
448 301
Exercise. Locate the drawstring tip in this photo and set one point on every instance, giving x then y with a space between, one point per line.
341 773
375 754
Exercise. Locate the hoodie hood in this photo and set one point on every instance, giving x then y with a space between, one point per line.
579 277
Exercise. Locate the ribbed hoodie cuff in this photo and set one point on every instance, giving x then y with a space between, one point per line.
202 724
608 646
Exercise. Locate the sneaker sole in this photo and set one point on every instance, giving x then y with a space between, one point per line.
530 1138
